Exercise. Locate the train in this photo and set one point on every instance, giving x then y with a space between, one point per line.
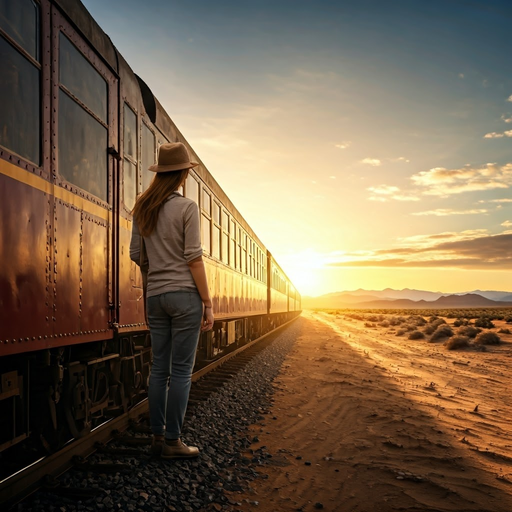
78 130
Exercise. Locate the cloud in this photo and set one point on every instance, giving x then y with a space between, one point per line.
461 75
504 200
507 118
496 135
506 224
509 98
443 212
344 145
440 181
375 162
401 159
384 190
466 250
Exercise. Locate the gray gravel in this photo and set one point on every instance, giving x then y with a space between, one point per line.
218 427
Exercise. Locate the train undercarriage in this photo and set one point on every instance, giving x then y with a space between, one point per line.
51 396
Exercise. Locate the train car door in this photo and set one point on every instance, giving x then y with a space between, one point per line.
84 142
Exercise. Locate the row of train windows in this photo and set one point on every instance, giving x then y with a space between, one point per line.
82 100
83 128
278 281
222 237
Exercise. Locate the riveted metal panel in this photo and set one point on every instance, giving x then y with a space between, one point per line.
94 267
131 310
25 253
66 268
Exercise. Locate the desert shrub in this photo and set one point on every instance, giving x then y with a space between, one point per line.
468 330
396 320
443 331
416 320
409 327
508 319
416 335
504 331
488 338
484 322
385 323
456 342
400 332
460 321
369 324
433 318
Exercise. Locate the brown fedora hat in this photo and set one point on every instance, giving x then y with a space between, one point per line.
172 156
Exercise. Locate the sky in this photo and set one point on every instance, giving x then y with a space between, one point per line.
367 143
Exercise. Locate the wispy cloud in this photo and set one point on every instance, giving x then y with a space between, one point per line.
375 162
440 181
467 250
504 200
384 192
344 145
443 212
506 224
507 118
461 75
498 135
509 98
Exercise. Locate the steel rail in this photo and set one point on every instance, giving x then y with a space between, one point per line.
27 480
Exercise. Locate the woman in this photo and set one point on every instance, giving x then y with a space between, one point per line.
178 300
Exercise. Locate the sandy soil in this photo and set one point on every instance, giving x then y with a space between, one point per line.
366 421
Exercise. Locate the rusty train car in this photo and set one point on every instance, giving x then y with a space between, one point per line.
78 130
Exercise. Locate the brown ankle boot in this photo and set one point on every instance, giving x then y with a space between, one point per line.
178 450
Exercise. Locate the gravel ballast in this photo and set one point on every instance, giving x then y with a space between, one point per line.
217 426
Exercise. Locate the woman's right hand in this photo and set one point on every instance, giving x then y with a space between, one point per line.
208 319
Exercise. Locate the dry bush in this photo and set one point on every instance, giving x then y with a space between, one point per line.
487 338
469 331
409 327
443 331
416 335
456 342
416 320
369 324
504 331
385 323
484 322
460 321
400 332
396 320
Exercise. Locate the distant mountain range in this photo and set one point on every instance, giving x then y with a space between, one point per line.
408 299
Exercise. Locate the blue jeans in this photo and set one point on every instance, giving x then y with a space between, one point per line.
174 323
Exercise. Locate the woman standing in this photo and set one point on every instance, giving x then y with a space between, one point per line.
178 301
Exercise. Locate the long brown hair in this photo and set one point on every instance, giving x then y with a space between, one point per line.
147 207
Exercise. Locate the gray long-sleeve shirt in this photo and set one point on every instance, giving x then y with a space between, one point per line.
175 242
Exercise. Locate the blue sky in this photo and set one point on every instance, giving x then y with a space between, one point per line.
365 130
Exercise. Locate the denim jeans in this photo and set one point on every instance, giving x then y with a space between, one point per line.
174 324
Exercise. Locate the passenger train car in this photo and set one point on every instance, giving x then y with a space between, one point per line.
78 130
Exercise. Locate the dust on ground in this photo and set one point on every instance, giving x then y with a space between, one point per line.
363 420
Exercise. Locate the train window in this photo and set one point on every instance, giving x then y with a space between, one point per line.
216 212
20 21
232 253
225 221
82 148
216 242
147 156
192 188
130 133
130 184
244 260
130 157
80 78
205 234
206 202
20 122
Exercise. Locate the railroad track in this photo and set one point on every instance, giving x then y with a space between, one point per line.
124 430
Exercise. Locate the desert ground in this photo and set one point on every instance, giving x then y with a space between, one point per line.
364 420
